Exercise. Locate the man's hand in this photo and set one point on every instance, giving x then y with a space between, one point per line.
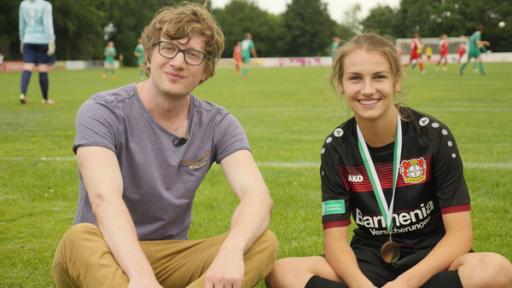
227 269
51 48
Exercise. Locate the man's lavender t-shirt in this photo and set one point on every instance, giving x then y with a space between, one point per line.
159 178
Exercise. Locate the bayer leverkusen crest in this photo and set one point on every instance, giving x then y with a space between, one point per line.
414 170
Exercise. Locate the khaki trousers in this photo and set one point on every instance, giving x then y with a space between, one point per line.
83 259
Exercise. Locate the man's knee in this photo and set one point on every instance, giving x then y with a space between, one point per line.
267 244
78 232
74 239
68 250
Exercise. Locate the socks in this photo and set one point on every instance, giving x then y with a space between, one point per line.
462 68
318 282
444 279
43 82
25 79
481 66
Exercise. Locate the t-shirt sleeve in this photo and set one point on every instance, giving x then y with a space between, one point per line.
451 189
95 126
335 194
229 137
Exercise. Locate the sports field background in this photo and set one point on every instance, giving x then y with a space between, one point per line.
287 112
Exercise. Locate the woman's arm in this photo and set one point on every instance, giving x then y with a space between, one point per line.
342 259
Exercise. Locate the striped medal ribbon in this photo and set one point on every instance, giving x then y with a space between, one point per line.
390 250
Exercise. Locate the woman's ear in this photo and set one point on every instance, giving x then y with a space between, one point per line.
398 86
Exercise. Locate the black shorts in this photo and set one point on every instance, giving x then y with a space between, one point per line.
37 54
379 272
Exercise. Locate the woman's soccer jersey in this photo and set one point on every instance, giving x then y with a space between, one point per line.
430 182
443 47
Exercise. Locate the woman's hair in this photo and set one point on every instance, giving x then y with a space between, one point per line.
367 42
184 22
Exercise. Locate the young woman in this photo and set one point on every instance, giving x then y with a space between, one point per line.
398 172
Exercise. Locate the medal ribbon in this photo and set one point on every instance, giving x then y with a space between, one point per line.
385 210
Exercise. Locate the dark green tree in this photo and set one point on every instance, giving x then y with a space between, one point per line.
241 16
9 37
381 19
308 27
78 29
344 32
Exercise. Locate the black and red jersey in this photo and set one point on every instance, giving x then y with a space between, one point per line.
430 182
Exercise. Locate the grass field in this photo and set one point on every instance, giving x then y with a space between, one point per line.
287 112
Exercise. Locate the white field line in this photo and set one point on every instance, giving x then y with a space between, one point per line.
292 164
337 109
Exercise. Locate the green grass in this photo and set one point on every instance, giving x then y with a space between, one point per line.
287 112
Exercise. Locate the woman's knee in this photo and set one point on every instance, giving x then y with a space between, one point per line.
295 272
485 269
287 271
499 269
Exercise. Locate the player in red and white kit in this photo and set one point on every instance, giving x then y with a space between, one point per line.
461 50
415 53
443 52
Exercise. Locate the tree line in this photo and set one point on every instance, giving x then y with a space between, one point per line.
304 29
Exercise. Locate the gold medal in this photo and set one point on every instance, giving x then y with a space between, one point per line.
390 251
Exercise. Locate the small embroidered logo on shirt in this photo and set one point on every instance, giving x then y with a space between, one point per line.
414 170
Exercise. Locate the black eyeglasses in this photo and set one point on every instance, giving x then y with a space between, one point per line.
169 50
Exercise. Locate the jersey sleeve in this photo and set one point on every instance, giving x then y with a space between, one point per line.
229 137
48 22
21 23
95 126
451 188
335 194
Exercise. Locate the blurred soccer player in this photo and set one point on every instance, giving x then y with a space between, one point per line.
415 53
237 56
37 44
443 52
475 44
336 43
110 55
248 49
461 50
428 53
139 53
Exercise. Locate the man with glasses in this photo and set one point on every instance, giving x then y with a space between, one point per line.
142 151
